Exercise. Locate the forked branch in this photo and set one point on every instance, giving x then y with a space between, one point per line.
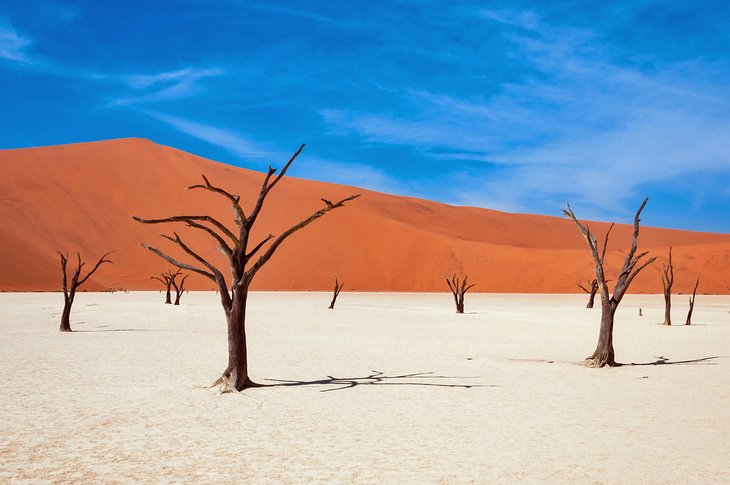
277 242
238 214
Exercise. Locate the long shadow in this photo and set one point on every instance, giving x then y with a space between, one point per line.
661 360
377 378
115 330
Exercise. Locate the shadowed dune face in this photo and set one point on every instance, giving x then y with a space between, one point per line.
82 196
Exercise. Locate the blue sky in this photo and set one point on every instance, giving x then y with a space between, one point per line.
515 106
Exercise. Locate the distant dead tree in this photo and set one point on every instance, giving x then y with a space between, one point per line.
243 264
692 303
667 283
458 289
69 292
592 292
336 293
167 279
604 353
179 288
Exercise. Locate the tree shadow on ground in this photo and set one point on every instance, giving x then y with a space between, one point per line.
661 360
114 330
377 378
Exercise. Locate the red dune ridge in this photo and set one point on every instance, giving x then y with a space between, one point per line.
81 197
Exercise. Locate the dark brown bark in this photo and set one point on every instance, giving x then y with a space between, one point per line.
244 263
70 287
166 279
592 292
604 353
336 293
692 303
458 289
667 283
179 289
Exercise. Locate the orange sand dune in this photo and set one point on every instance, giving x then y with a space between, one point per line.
81 197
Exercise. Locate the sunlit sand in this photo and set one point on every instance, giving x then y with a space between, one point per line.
384 388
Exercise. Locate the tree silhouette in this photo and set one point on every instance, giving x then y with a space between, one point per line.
244 262
604 353
69 291
667 283
336 293
458 289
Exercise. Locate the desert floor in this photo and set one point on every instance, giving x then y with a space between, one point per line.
387 388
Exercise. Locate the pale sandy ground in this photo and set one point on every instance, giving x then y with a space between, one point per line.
118 402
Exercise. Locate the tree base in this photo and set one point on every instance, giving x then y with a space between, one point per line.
62 329
229 382
601 359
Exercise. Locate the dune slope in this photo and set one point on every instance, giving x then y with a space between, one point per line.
81 197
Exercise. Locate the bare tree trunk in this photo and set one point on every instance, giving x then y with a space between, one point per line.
336 293
592 292
179 289
244 262
66 315
458 290
604 355
168 299
592 298
236 374
667 283
692 303
69 288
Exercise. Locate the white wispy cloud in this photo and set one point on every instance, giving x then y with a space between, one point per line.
256 154
234 142
581 124
12 44
165 86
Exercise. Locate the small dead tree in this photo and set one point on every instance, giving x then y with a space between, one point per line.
592 292
458 289
69 291
336 293
244 263
167 279
179 288
667 283
604 353
692 303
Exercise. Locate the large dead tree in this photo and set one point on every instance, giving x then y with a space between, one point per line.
336 293
179 288
667 283
692 303
244 262
458 289
593 285
69 290
166 279
604 353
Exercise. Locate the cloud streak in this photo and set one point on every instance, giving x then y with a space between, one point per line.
580 124
12 45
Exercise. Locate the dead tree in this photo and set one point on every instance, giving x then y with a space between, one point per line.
244 262
458 290
69 292
336 293
692 303
667 283
592 292
604 353
167 279
179 288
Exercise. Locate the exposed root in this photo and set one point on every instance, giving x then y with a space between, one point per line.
228 382
602 361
